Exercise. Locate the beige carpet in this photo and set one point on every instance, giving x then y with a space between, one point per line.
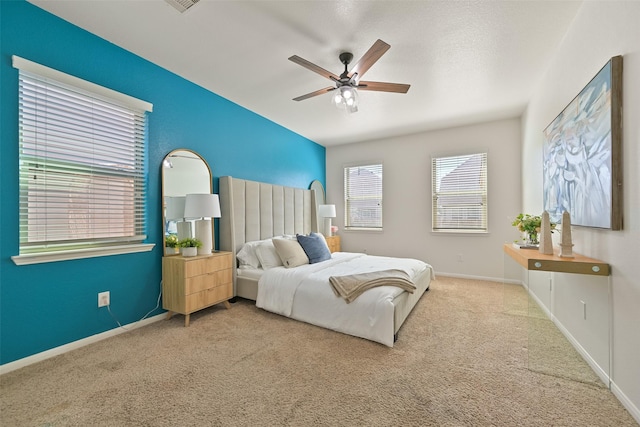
461 360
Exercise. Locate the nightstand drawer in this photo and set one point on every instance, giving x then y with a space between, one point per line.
200 266
206 281
208 297
192 283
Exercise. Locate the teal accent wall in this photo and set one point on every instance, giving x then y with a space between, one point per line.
44 306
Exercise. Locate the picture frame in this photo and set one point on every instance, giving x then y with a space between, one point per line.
582 154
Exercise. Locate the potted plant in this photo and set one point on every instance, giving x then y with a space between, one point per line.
189 246
530 226
171 241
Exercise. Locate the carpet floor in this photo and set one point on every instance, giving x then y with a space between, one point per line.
462 359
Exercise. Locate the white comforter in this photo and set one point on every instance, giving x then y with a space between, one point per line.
304 293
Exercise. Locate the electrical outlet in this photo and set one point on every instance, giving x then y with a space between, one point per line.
104 299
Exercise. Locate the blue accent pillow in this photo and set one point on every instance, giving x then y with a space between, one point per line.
315 247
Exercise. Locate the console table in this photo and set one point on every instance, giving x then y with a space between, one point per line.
532 259
572 295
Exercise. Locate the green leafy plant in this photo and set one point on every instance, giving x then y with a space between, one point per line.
171 241
190 242
530 225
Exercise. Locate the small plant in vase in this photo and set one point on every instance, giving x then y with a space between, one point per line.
189 246
530 226
171 241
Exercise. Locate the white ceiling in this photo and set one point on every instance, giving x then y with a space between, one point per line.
466 61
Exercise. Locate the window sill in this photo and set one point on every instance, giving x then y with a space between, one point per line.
374 230
461 232
81 253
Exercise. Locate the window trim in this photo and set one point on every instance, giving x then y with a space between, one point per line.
100 93
44 257
346 213
104 92
460 231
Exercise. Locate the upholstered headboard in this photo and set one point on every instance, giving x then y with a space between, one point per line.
256 210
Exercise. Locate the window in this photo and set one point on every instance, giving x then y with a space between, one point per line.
363 197
460 193
82 163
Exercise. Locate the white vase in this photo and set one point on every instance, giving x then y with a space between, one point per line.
192 251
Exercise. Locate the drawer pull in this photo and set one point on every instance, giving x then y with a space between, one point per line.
595 269
538 264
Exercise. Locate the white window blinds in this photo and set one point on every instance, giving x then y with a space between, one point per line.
363 196
459 193
82 162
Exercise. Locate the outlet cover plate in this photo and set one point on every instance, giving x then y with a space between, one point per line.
103 299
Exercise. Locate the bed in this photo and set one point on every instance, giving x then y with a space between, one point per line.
254 213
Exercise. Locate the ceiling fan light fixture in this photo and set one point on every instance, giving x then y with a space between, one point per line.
346 98
345 95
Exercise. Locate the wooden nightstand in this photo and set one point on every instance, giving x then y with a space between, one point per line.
334 243
190 284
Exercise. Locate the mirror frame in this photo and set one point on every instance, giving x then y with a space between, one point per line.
317 186
163 206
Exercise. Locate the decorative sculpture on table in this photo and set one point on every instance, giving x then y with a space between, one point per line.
566 245
546 244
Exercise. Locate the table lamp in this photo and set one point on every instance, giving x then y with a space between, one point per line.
203 207
327 212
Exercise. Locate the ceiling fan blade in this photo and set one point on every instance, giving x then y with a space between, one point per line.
313 67
316 93
368 59
384 87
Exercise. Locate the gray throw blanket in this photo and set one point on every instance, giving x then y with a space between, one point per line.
352 286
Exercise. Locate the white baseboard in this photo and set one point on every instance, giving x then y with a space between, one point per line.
543 307
604 376
487 279
601 373
626 402
21 363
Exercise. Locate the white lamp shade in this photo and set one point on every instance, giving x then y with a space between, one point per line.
327 211
175 207
202 206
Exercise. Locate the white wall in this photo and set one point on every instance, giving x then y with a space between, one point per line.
407 196
600 30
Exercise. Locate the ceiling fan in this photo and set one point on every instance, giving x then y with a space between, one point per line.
346 83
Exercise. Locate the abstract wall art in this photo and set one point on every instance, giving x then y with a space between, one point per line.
582 154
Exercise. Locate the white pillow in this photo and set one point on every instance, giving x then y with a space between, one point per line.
290 252
267 255
247 254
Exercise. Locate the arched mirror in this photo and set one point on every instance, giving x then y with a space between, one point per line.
317 187
183 172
